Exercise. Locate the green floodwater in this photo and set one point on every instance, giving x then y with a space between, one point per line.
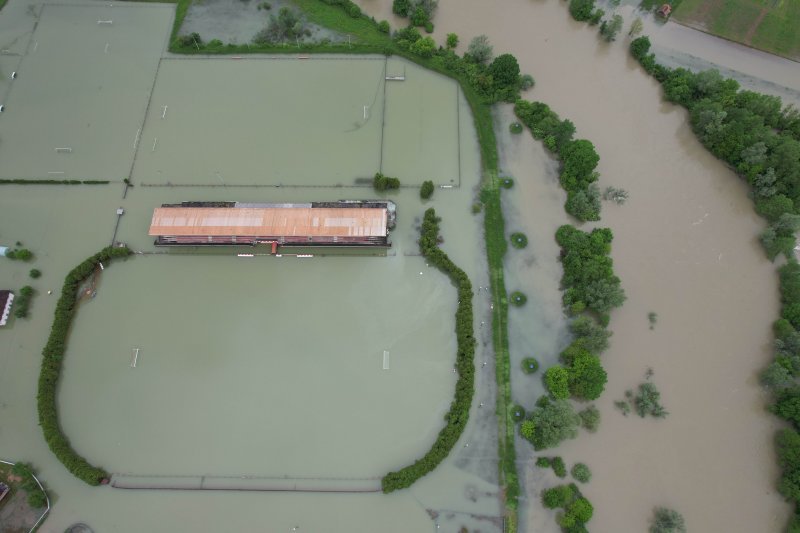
261 367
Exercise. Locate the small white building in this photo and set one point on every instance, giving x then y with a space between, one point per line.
6 299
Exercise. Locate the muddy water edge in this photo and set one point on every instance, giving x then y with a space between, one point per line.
685 247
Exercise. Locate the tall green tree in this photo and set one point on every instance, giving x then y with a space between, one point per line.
554 422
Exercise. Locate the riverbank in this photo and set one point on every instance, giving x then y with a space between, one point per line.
686 236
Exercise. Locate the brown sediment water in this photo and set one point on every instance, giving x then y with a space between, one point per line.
685 247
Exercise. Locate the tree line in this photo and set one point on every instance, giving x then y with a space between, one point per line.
578 157
458 414
760 139
52 360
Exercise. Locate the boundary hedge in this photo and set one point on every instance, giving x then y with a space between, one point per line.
458 415
52 360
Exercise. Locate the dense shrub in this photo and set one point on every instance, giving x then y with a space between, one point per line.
647 401
458 414
23 302
426 191
578 157
479 49
581 473
383 26
556 380
518 298
35 273
452 40
505 70
190 40
385 183
610 28
667 521
424 47
590 418
52 357
543 462
588 278
589 335
519 240
577 509
21 254
581 10
559 468
401 7
586 376
558 496
286 25
551 423
36 496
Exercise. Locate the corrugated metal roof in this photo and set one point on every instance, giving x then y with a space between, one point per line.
273 221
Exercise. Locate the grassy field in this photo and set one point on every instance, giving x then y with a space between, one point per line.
769 25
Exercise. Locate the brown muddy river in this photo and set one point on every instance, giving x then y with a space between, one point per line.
685 247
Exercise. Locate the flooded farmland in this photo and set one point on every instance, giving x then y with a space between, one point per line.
269 368
253 372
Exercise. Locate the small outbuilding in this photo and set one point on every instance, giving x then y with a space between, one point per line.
665 10
6 299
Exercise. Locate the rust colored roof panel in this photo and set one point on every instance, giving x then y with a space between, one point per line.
272 221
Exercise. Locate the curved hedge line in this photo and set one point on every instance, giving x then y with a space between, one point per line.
458 415
53 355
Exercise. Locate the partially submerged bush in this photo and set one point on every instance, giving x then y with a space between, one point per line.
23 302
530 365
559 468
286 25
667 521
518 298
426 191
590 418
581 473
21 254
385 183
519 240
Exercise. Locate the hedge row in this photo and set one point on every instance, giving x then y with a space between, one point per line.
458 415
578 157
53 355
17 181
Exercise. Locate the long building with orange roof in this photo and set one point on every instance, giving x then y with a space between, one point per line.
343 223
